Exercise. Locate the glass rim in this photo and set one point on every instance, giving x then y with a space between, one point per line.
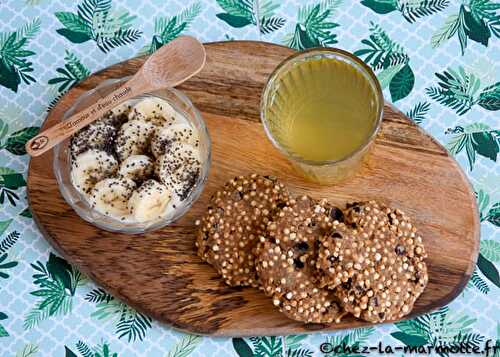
352 60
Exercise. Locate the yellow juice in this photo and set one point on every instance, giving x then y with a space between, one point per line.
322 109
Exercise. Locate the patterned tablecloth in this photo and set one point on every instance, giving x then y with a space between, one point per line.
437 60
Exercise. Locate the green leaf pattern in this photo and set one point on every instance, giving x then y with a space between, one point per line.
390 60
460 91
477 20
84 350
57 282
99 21
410 9
418 112
241 13
129 323
15 68
168 28
185 347
67 76
314 27
477 138
271 346
442 328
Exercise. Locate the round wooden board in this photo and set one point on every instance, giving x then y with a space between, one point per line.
160 274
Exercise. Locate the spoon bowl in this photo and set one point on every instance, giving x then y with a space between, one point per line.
170 66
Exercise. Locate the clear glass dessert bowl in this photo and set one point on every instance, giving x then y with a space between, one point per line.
62 162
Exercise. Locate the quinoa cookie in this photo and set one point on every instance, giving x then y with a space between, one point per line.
374 262
238 214
302 220
285 262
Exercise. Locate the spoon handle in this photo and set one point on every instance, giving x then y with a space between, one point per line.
57 133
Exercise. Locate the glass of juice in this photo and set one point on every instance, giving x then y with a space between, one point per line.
323 108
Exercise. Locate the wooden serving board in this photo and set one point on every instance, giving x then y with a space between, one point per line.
160 274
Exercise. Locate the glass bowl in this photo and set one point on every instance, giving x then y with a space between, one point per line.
62 161
325 171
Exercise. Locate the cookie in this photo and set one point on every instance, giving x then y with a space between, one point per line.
286 259
343 251
374 262
237 216
308 217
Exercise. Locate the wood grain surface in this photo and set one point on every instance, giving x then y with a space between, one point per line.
160 274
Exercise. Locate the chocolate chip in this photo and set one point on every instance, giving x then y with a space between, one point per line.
297 263
336 214
272 240
390 218
352 204
302 247
358 290
281 204
381 315
375 301
312 224
237 196
333 259
356 209
347 284
336 235
400 250
354 225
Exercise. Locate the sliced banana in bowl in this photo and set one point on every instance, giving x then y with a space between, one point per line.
110 196
179 168
139 167
149 201
90 167
165 136
98 135
122 109
133 138
136 167
156 111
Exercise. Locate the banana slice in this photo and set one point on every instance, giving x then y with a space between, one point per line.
90 167
110 196
133 138
136 167
149 201
179 168
98 135
123 108
165 136
156 111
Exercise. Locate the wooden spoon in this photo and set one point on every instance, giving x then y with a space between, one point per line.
169 66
